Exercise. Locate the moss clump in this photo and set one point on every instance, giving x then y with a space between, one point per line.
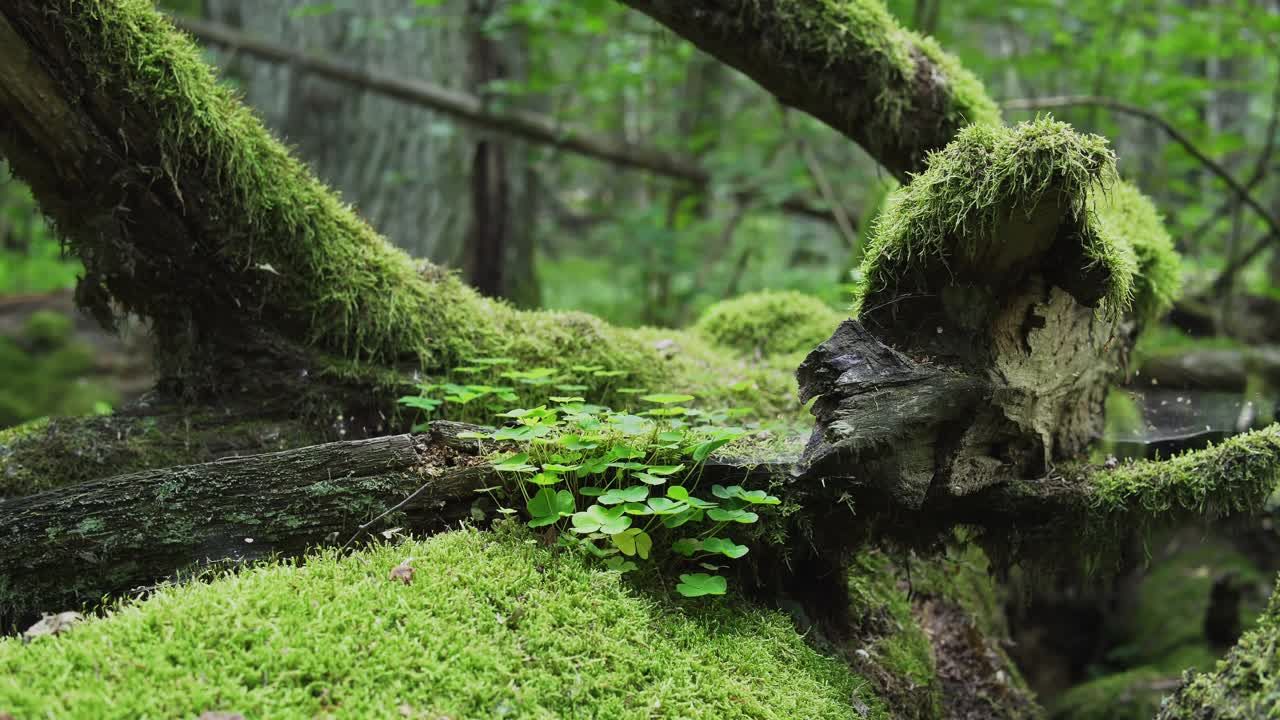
994 199
1235 476
769 322
1243 685
493 625
1123 215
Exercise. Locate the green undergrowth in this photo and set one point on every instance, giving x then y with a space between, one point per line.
769 322
1243 685
1165 340
955 218
47 371
1235 476
493 624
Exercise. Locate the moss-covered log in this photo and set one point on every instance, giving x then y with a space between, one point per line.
1003 290
71 546
846 62
1245 684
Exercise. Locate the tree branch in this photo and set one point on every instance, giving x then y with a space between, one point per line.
1119 106
849 64
523 124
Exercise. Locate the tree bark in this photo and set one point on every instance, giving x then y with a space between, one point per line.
848 64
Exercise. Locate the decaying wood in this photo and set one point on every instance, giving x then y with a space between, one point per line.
72 545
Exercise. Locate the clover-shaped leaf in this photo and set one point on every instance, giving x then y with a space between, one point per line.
633 494
420 403
725 547
664 506
601 519
545 478
699 584
678 492
687 546
739 516
548 506
590 491
557 468
648 479
675 520
578 442
618 564
633 542
515 463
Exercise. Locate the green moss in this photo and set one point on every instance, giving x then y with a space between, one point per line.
864 32
1131 695
1235 476
769 322
963 575
493 625
993 198
900 651
1243 685
1124 215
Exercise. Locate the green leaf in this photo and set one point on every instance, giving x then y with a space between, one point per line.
648 479
678 492
687 546
550 503
558 468
699 584
566 399
420 403
601 519
577 442
725 547
663 506
545 478
472 435
633 542
515 463
739 516
635 494
664 469
618 564
590 491
666 398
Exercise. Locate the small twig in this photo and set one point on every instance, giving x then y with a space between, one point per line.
365 527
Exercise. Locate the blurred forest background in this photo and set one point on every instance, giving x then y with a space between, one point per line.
577 155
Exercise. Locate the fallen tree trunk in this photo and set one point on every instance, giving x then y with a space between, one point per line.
74 545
